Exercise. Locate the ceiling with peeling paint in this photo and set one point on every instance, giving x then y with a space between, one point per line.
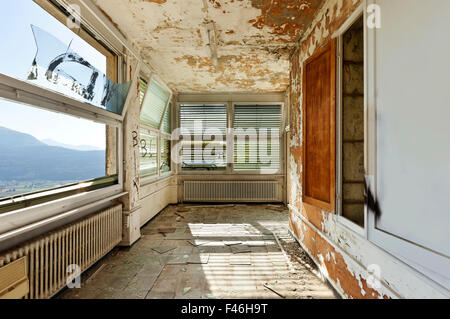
254 40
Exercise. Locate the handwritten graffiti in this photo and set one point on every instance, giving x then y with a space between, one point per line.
370 201
135 138
146 148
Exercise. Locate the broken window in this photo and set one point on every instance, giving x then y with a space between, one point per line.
75 149
352 124
51 56
203 129
257 137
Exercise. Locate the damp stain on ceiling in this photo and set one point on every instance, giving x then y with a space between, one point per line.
254 40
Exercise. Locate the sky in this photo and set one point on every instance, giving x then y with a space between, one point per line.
16 56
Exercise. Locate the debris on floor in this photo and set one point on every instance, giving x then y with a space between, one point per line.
178 236
186 290
232 243
274 291
178 260
278 208
163 249
240 249
213 251
181 216
197 243
198 259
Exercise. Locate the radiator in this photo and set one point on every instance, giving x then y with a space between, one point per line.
81 243
231 191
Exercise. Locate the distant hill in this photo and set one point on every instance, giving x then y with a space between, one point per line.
83 148
25 158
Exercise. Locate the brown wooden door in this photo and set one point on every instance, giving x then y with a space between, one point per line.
319 128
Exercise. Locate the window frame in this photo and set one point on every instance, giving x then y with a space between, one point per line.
63 204
281 168
404 250
230 135
182 171
338 35
148 179
105 43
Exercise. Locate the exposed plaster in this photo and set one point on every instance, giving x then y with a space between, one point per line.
342 255
255 40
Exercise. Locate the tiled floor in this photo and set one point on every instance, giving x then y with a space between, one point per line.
192 251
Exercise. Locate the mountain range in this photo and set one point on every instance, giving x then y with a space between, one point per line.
25 158
83 148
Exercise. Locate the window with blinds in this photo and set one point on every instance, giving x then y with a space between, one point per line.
166 126
155 144
154 104
204 130
257 137
148 153
165 156
143 86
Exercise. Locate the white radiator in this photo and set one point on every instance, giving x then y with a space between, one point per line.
81 243
231 191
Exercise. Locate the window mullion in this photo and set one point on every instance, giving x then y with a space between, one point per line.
165 110
230 138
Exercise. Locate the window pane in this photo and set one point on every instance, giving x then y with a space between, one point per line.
257 137
165 156
148 153
46 53
143 86
36 156
204 136
154 104
166 126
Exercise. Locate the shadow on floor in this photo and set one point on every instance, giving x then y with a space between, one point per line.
207 252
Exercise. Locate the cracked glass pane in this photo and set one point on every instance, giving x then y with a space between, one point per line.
60 68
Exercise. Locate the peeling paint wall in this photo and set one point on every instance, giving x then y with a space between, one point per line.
131 147
255 39
137 191
344 257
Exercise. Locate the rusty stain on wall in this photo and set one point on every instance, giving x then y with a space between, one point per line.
339 270
285 17
341 255
255 36
157 1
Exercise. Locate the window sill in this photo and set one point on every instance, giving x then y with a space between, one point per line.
153 179
27 216
41 197
224 172
355 228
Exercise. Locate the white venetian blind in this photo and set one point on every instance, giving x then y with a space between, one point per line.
200 121
143 86
154 104
166 126
258 147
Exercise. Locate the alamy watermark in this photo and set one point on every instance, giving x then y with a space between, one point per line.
373 16
74 276
211 146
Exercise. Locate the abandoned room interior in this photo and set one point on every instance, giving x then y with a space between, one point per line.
220 149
